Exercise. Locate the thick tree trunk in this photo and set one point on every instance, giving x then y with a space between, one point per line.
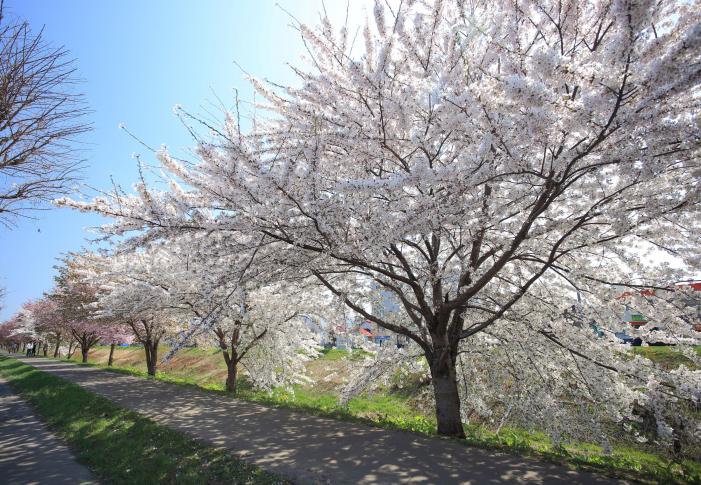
144 332
151 349
231 356
232 371
111 357
84 352
45 348
445 390
58 344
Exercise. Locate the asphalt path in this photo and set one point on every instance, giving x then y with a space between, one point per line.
311 449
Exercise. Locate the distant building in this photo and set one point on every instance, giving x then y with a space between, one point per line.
384 305
636 319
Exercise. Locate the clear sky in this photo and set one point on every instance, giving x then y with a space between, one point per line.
137 60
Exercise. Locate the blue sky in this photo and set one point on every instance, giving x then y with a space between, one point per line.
137 60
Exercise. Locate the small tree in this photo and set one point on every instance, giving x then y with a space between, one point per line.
87 334
40 116
128 296
115 334
254 311
265 333
74 298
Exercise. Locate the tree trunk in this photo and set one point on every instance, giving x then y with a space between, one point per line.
445 390
71 349
231 357
151 349
45 348
231 372
150 340
58 344
84 352
111 357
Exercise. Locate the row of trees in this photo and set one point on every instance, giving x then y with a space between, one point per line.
483 162
63 317
502 169
157 293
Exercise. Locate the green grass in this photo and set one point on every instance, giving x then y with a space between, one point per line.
624 461
667 357
338 354
389 411
119 445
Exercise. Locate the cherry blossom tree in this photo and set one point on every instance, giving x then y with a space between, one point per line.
68 312
113 334
22 327
74 298
47 320
485 162
87 335
8 337
256 314
194 287
265 333
127 291
19 329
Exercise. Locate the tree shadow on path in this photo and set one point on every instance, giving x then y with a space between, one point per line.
311 449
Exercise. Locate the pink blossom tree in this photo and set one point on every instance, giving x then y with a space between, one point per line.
48 321
87 334
74 298
9 337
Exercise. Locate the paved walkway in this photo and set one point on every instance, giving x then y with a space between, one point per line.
310 449
29 452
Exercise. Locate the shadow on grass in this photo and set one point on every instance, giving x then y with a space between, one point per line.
119 445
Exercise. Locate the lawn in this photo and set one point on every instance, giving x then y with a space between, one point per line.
119 445
396 410
667 357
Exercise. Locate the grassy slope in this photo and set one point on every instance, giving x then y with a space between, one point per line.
119 445
206 369
398 410
666 356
